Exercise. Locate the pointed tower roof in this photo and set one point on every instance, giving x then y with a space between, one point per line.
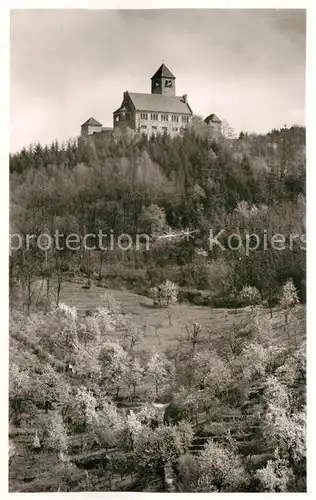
163 71
92 121
213 118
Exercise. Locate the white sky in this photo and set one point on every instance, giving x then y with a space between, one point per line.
247 66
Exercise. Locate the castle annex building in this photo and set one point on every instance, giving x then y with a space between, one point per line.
161 111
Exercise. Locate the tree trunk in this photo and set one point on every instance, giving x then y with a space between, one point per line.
110 480
47 294
170 318
101 265
29 296
11 279
59 282
270 309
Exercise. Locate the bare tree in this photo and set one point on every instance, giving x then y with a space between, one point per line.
227 131
194 335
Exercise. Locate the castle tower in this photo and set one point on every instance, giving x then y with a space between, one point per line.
90 126
214 123
163 82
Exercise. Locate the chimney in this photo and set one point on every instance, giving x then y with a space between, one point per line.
184 98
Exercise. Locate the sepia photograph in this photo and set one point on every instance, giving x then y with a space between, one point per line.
157 251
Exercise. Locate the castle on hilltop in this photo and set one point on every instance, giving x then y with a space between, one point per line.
160 112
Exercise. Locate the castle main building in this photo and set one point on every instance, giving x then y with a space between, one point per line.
159 112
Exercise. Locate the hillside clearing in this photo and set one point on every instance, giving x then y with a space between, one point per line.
158 333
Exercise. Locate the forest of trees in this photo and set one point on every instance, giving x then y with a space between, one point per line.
242 397
135 185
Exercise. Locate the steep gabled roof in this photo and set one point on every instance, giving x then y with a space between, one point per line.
159 103
213 118
92 121
163 71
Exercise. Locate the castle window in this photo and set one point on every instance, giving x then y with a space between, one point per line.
164 118
165 129
144 116
185 119
127 116
143 126
154 127
175 118
168 83
154 116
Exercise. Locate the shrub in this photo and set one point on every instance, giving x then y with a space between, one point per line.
196 297
275 476
250 296
199 300
231 300
196 274
152 219
219 276
289 299
110 304
165 294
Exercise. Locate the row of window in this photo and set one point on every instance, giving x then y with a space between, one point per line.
123 117
164 117
153 116
164 129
